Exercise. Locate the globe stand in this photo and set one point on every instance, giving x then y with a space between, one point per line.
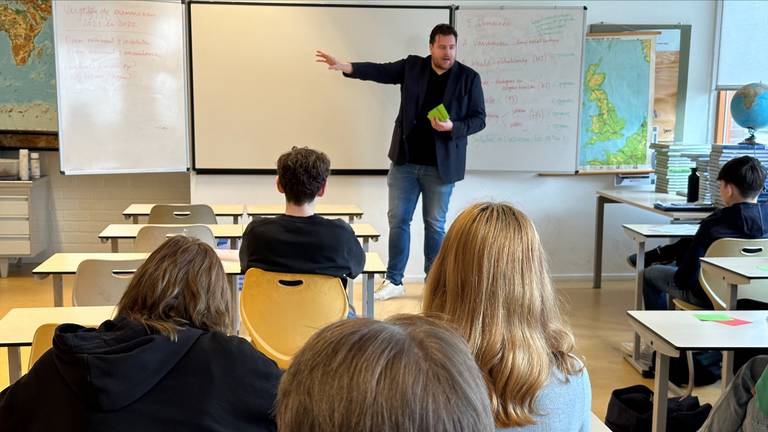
751 140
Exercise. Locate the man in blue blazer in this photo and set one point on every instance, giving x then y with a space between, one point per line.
428 155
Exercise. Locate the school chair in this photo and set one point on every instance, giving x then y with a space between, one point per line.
181 214
150 237
102 282
716 288
282 310
41 342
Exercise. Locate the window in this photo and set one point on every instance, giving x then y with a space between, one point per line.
726 130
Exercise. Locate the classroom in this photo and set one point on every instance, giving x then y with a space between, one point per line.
206 95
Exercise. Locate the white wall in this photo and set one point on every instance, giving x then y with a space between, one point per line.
81 206
561 207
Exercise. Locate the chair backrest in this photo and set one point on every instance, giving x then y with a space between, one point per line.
182 214
282 310
150 237
716 288
102 282
41 342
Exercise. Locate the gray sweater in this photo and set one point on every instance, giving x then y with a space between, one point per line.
563 407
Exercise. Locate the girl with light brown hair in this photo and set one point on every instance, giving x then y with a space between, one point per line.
163 363
406 374
491 281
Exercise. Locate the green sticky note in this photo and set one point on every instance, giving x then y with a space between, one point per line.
763 267
439 112
712 316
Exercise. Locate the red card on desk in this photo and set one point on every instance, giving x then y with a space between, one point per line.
734 322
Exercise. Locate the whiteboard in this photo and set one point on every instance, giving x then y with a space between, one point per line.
257 90
121 86
530 62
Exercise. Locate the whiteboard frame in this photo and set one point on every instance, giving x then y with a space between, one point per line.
186 109
272 171
575 169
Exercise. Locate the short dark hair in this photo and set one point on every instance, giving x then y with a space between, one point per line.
443 30
302 172
745 173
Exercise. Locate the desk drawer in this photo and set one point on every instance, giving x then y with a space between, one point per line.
14 226
14 205
17 246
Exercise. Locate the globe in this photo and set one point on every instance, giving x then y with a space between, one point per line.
749 108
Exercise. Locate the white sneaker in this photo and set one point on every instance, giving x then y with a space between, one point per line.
387 290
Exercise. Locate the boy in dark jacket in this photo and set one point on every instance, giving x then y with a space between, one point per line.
741 180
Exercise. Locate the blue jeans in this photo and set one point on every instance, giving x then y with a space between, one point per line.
406 183
659 288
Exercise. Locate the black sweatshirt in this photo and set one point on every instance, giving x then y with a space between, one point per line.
120 377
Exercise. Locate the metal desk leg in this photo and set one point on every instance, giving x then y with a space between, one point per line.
135 219
366 244
115 247
597 274
368 295
727 371
233 243
235 307
661 387
14 364
351 218
58 290
350 291
634 357
235 219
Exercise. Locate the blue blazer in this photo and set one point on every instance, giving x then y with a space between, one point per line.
463 99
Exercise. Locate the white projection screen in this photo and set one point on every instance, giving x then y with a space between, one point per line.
257 90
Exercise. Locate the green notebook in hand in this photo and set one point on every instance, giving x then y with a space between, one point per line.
439 112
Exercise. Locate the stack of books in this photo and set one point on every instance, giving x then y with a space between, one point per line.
721 154
672 165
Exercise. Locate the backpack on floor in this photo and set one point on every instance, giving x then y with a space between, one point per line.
631 410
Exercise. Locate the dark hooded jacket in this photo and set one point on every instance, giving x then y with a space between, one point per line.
120 377
742 220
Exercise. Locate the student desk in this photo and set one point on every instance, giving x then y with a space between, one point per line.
229 210
673 332
61 264
640 234
233 232
349 210
736 271
18 326
643 198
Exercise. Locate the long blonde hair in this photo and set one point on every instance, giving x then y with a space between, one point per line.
182 283
491 281
407 373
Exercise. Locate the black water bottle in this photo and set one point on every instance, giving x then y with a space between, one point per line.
693 186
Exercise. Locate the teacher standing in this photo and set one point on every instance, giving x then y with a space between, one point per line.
428 156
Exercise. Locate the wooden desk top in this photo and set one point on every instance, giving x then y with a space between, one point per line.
682 331
130 231
374 264
321 209
18 326
662 230
218 210
644 198
66 263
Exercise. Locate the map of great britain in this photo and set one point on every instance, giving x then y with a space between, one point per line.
27 69
615 104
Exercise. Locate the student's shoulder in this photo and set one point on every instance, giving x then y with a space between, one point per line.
235 347
466 70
